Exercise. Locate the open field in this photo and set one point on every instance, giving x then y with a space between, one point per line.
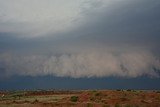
84 98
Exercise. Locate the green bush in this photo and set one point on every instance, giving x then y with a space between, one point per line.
98 94
117 105
94 91
92 99
89 105
127 105
74 98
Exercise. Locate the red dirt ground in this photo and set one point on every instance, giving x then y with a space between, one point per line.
88 98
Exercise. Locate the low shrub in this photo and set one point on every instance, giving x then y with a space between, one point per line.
89 105
98 94
74 98
117 105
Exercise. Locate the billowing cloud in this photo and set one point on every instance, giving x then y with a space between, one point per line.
99 63
80 38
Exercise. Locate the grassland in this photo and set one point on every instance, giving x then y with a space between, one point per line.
85 98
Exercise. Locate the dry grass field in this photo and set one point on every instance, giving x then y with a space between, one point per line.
84 98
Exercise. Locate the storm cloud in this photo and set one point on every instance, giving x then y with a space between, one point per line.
80 38
97 63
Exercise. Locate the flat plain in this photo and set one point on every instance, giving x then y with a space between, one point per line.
81 98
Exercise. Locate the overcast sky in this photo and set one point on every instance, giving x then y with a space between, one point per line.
80 38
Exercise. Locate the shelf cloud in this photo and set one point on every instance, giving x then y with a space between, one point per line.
97 63
80 38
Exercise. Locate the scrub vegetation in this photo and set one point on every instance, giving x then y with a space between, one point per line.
85 98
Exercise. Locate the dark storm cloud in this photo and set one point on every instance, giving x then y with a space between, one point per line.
125 20
111 38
